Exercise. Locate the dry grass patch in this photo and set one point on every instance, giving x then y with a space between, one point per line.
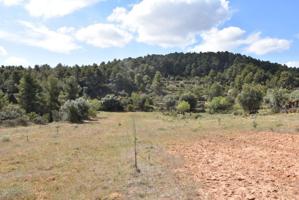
95 160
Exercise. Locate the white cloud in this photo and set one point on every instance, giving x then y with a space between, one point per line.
234 38
171 23
11 2
293 64
13 60
55 41
104 35
55 8
3 51
226 39
50 8
59 41
262 46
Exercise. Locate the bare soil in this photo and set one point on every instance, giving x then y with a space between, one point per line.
262 165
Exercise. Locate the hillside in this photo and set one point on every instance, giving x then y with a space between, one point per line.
136 74
153 82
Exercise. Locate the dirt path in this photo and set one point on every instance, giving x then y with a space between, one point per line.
244 166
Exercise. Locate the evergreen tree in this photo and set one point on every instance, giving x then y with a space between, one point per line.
157 84
3 100
52 96
30 94
71 89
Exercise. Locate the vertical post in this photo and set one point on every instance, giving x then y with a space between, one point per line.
135 147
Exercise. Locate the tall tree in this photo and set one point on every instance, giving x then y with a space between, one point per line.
30 94
3 100
52 96
157 84
71 89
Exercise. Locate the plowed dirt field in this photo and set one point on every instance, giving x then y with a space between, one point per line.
261 165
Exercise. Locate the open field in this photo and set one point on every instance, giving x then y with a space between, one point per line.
207 157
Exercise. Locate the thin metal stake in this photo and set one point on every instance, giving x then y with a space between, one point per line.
135 146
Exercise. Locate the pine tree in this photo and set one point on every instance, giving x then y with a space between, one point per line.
52 96
157 84
30 94
72 89
3 100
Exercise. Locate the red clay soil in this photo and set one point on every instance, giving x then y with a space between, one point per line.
243 166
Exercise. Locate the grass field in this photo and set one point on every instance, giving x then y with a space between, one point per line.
95 160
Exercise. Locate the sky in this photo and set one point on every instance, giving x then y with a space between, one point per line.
92 31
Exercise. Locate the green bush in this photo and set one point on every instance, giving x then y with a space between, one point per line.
215 90
191 99
169 102
130 108
183 107
13 115
277 99
75 111
11 112
111 103
141 102
294 96
95 106
220 105
251 98
37 119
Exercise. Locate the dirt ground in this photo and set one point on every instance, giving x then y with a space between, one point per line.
261 165
209 158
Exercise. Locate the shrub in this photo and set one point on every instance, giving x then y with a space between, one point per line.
95 106
130 108
5 138
111 103
183 107
276 99
75 111
169 102
55 115
11 112
294 96
215 90
220 105
42 120
191 99
251 98
13 115
37 119
141 102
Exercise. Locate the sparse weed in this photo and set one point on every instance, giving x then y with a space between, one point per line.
254 124
5 138
279 125
15 192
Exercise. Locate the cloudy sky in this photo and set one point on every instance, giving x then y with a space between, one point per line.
92 31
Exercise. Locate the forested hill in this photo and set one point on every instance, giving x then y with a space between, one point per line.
137 74
184 82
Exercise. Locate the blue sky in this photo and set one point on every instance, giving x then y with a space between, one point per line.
91 31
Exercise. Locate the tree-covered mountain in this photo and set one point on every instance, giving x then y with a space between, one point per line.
150 79
136 74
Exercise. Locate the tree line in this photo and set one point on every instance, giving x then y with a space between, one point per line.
182 82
